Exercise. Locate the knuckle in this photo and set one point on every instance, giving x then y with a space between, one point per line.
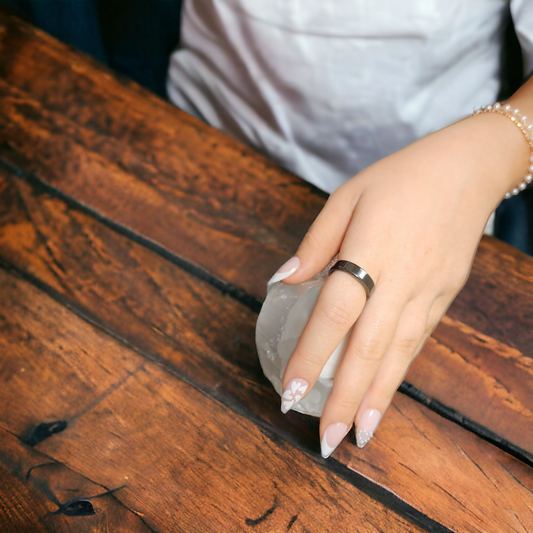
372 349
437 312
336 314
407 345
386 389
430 326
338 195
455 281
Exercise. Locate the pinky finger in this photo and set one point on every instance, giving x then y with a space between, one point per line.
410 337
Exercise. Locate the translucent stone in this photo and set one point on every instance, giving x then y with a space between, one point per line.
284 314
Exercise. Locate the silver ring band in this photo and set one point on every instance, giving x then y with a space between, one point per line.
357 272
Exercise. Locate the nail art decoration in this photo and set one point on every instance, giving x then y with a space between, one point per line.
368 422
294 392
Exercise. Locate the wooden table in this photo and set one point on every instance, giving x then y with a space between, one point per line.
135 246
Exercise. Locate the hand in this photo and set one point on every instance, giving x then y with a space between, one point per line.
413 221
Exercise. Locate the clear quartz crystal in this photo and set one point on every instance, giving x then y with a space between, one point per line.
284 314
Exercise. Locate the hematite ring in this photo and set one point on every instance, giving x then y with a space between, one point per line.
357 272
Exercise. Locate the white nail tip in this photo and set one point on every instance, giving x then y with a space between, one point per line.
325 449
280 276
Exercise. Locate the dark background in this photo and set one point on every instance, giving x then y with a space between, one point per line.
136 38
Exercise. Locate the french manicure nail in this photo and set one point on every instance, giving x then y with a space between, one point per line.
332 438
293 393
286 270
367 425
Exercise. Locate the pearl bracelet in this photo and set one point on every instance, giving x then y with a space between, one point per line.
525 128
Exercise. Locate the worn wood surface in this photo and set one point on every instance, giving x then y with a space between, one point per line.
185 461
153 304
40 494
134 261
202 197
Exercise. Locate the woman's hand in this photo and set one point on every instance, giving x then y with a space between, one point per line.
413 221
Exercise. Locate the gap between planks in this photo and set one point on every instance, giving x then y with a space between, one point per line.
254 304
375 491
237 293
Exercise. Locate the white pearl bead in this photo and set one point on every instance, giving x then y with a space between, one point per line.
477 111
522 186
516 111
531 169
515 191
497 105
530 126
507 107
529 178
488 108
524 118
508 195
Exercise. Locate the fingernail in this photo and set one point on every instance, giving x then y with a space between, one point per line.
367 425
293 393
332 438
285 270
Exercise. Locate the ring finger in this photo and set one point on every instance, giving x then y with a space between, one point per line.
369 342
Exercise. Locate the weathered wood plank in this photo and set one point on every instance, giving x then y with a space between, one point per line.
33 488
120 179
209 460
189 463
199 170
57 365
226 210
20 507
155 305
496 379
498 297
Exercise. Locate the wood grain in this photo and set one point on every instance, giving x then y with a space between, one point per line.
497 379
169 315
66 378
152 150
34 487
227 210
20 508
207 199
498 297
204 198
188 462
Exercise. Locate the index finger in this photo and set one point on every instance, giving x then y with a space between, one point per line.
339 305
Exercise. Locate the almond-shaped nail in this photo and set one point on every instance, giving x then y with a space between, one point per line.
293 393
286 270
368 422
332 438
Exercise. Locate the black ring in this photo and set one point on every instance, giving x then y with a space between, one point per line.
357 272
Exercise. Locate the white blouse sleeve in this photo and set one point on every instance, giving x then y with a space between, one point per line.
522 13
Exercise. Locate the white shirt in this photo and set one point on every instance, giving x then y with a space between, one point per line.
328 87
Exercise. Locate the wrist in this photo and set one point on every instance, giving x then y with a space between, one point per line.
498 153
